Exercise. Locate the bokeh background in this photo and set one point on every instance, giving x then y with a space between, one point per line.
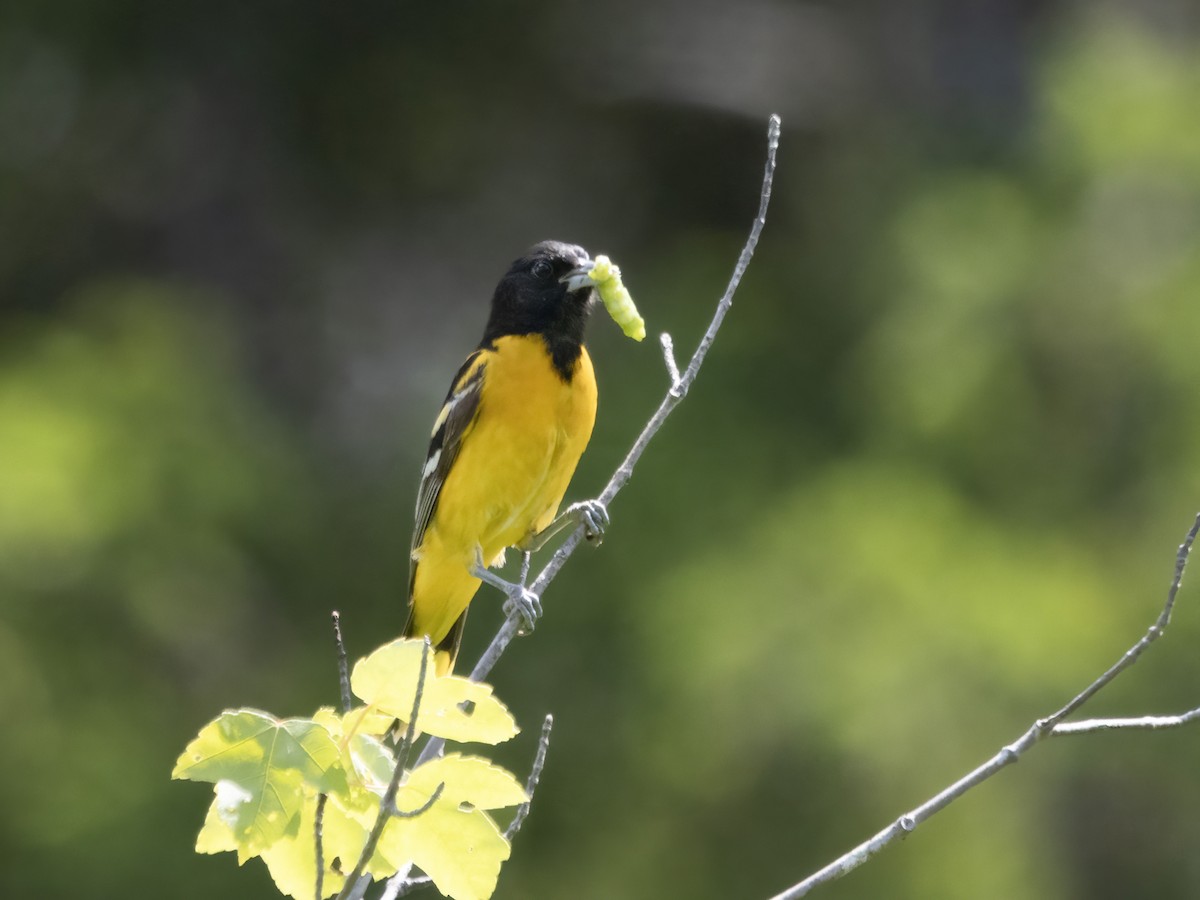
928 485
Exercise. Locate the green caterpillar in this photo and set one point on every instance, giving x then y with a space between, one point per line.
617 301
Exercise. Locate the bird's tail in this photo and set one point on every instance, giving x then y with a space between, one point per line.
445 651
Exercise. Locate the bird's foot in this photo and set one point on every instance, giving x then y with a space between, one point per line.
526 604
520 600
593 515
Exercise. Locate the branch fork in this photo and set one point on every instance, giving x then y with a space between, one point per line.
1052 725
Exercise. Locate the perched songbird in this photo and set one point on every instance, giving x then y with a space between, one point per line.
505 445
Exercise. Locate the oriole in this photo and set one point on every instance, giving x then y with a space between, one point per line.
515 422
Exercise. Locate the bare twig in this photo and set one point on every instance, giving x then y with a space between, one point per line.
1153 633
1138 723
317 828
535 774
678 390
668 349
342 664
1042 728
400 883
356 882
344 684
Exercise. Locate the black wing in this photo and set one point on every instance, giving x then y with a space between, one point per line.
453 422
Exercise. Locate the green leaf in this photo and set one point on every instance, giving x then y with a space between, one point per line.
348 817
268 775
467 779
452 707
263 769
454 842
367 762
462 851
365 758
292 859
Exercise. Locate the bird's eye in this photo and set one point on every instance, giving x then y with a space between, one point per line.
542 269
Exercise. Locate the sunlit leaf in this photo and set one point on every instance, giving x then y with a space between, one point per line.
292 860
467 779
264 768
461 850
454 841
451 707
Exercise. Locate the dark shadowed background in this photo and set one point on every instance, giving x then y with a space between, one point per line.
928 485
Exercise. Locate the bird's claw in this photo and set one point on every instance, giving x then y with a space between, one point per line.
593 515
521 601
526 604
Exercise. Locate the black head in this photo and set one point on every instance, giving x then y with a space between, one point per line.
545 292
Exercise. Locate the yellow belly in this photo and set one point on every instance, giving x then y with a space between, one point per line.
509 477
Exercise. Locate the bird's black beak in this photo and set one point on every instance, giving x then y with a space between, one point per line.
578 278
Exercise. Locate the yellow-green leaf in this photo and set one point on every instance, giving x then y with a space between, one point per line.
452 707
268 774
461 850
216 835
292 860
365 758
454 842
263 769
468 779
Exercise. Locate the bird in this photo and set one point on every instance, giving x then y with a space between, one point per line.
515 422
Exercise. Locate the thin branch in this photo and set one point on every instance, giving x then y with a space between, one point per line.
1138 723
679 389
344 685
535 774
356 883
1052 724
668 349
510 628
342 664
317 832
1153 633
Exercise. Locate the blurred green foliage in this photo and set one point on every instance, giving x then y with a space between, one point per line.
928 485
